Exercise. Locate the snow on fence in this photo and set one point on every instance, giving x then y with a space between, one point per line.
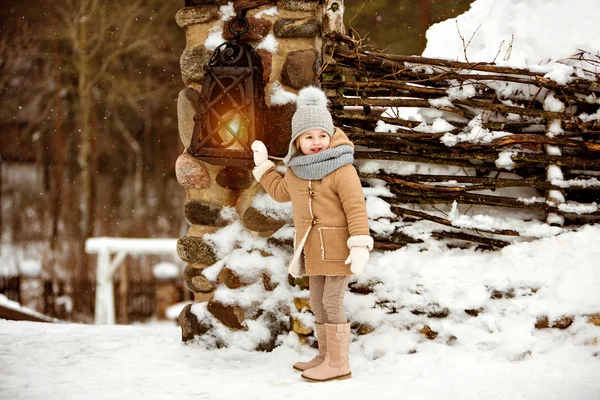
469 134
105 247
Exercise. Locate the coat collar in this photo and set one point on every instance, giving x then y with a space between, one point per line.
339 138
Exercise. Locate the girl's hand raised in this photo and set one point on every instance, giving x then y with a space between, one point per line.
260 152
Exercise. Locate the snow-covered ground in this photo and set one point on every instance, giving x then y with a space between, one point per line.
495 355
64 361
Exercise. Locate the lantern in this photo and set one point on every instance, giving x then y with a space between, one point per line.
230 110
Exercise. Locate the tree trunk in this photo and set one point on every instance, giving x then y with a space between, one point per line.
85 147
1 224
58 148
93 172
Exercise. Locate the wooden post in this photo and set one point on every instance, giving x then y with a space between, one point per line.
104 294
105 302
333 17
124 293
554 172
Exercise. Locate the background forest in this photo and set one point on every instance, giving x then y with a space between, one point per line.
88 124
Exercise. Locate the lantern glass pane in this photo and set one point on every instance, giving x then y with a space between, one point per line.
234 131
229 114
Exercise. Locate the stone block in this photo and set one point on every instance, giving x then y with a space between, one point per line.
200 212
203 297
200 231
203 2
299 5
258 29
235 178
278 130
255 221
277 325
191 172
229 315
229 278
192 62
266 57
302 303
289 28
195 250
195 281
186 110
217 194
303 340
301 282
245 5
300 328
268 284
190 326
300 69
197 15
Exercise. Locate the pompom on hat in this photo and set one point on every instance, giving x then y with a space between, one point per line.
311 113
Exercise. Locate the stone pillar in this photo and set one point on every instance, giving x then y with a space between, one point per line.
288 36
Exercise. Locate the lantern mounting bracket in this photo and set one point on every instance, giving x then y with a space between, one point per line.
243 21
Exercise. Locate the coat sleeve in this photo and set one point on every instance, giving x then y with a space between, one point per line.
351 195
275 185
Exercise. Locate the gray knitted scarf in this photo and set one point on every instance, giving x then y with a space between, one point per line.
317 166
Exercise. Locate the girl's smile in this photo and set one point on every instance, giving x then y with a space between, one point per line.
314 141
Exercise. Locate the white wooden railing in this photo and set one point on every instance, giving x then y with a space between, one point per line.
105 247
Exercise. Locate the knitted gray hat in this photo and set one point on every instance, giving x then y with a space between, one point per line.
311 113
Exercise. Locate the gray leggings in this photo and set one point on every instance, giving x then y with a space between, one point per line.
327 298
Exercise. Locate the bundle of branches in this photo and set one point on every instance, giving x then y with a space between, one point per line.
486 119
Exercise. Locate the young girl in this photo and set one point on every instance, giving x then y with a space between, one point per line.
331 225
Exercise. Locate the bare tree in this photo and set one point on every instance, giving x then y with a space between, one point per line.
99 35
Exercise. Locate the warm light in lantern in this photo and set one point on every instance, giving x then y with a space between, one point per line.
234 127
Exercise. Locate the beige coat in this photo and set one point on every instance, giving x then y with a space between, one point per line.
326 213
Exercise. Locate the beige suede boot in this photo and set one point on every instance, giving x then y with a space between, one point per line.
336 364
319 358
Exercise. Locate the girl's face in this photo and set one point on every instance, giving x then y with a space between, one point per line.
314 141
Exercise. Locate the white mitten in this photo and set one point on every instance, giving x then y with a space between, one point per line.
261 159
358 258
359 246
260 152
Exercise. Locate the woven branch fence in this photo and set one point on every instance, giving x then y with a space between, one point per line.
493 114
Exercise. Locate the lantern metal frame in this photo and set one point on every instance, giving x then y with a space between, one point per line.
230 109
